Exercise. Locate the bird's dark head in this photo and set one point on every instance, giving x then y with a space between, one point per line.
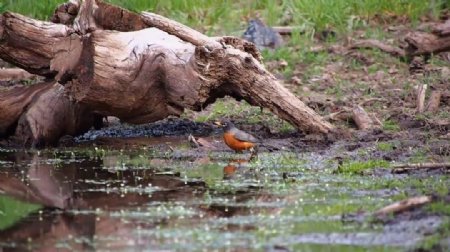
225 124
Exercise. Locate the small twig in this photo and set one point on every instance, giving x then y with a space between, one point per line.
373 43
339 115
193 141
375 120
363 103
421 91
403 205
402 168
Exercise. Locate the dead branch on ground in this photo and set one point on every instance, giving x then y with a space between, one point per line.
420 101
434 101
403 205
404 168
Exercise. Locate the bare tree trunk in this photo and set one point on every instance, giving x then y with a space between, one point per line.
139 76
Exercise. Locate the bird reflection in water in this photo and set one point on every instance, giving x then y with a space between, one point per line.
234 166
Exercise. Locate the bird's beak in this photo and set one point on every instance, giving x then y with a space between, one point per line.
218 123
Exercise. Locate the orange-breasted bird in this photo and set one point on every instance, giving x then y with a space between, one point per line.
237 139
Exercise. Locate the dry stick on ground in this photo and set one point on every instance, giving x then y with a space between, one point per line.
342 115
403 205
370 100
373 43
147 74
403 168
375 120
420 101
434 101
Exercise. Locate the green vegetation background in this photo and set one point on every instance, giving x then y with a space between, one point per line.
230 16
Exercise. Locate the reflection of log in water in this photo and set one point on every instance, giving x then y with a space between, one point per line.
84 186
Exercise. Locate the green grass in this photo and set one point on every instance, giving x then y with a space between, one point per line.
352 167
385 146
439 207
227 16
390 125
12 211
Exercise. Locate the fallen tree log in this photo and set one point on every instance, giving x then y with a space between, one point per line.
139 76
422 43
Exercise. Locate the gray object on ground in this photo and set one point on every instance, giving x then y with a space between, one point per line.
263 36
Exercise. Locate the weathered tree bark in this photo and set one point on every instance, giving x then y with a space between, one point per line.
39 115
139 76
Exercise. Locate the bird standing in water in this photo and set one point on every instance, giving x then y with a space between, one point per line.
237 139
